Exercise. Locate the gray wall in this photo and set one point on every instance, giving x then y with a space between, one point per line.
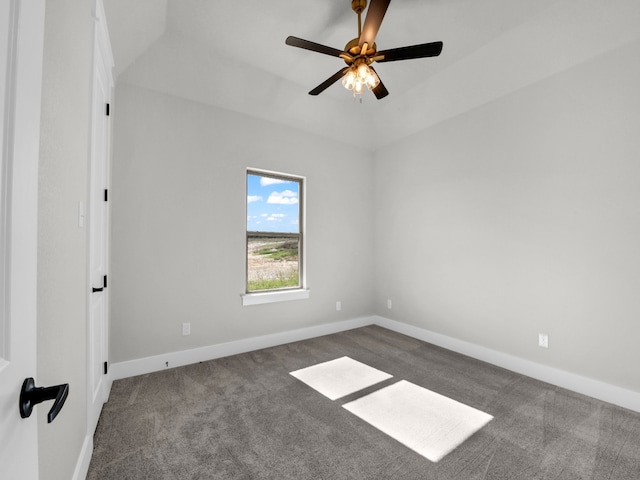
517 218
522 217
62 245
178 223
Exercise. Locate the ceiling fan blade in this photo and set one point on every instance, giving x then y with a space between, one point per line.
375 14
380 91
329 81
314 47
415 51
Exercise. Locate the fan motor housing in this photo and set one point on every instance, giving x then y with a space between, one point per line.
353 47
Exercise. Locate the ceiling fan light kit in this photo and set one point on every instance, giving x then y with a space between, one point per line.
359 76
361 52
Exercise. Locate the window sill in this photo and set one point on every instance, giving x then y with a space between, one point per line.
273 297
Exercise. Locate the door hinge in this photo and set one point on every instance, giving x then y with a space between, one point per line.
106 195
106 368
107 110
105 282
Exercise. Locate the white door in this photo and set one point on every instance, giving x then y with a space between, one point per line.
21 41
98 291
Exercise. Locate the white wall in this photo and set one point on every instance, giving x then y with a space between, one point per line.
62 244
178 225
522 217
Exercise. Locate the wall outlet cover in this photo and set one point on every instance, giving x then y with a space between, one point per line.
543 340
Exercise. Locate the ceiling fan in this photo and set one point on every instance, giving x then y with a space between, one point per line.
361 52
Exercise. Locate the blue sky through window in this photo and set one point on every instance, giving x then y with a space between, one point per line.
272 204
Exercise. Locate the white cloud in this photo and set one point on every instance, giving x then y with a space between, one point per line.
286 197
278 215
254 198
264 181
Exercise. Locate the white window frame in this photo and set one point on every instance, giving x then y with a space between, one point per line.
286 294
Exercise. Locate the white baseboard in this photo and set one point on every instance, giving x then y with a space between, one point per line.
586 386
84 459
156 363
577 383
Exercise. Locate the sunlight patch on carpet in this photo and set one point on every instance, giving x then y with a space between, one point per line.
428 423
340 377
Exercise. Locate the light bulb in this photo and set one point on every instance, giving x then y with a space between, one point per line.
349 79
363 72
372 80
358 87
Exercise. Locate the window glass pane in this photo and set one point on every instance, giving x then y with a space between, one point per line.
272 204
272 262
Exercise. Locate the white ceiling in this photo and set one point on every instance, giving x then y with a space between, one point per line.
232 55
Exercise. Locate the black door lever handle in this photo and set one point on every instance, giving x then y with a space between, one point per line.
30 396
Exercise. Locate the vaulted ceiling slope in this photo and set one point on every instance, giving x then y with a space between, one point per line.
232 55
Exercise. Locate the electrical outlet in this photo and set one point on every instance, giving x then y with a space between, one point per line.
389 304
338 305
543 340
186 329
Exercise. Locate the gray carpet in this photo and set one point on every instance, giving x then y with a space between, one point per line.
244 417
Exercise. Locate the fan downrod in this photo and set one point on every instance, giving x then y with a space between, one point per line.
353 47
